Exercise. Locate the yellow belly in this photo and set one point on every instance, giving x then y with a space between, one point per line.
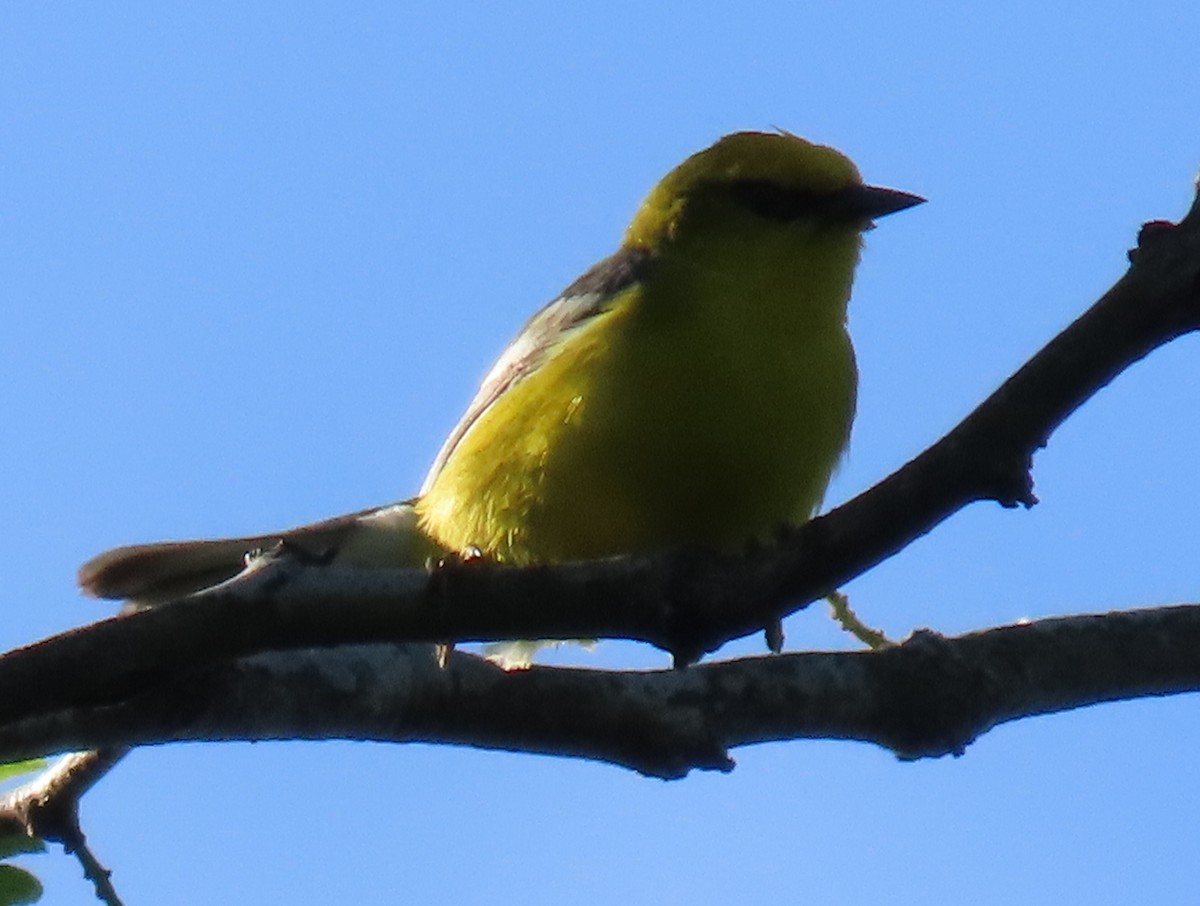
639 435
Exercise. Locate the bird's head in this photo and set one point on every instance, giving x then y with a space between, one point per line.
772 176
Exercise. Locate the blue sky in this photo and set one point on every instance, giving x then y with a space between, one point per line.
256 258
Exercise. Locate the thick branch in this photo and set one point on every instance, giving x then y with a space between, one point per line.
928 697
682 601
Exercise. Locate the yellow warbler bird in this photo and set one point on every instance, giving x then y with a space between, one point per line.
696 386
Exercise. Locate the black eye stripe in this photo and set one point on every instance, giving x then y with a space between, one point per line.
775 202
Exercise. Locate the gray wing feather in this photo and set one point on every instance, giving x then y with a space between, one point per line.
589 296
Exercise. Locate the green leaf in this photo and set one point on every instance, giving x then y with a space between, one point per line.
18 886
16 844
13 768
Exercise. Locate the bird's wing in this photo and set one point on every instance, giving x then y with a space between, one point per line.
591 295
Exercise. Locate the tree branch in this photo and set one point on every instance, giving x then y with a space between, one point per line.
687 602
928 697
47 808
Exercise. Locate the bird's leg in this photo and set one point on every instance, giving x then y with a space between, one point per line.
442 569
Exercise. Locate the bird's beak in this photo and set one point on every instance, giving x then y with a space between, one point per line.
870 202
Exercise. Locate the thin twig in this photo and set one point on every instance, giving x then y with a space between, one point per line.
47 808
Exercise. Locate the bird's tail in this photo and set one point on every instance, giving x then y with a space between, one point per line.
148 574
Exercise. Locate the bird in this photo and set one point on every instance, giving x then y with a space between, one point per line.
697 386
